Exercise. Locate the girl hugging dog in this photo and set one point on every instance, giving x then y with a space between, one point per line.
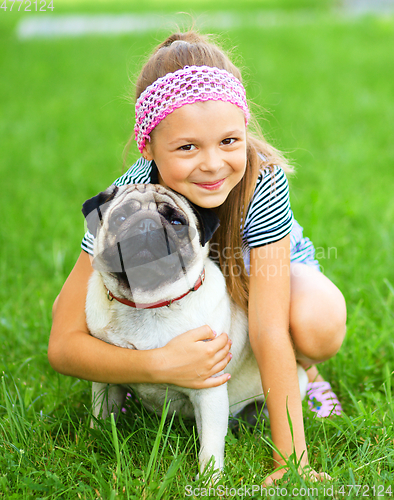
193 123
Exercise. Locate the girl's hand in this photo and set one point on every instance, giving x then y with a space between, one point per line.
307 473
187 361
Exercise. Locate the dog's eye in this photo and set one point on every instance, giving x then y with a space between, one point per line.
178 224
118 220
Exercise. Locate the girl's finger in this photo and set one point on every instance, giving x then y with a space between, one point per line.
325 477
206 333
221 365
318 476
220 342
214 381
221 359
203 333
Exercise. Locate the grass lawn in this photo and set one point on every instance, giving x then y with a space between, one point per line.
324 86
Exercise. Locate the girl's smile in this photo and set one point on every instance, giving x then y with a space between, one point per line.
200 151
212 185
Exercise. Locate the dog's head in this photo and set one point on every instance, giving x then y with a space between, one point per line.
150 242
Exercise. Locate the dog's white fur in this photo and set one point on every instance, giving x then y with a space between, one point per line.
211 305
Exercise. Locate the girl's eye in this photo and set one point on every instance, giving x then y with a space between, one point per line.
228 141
187 147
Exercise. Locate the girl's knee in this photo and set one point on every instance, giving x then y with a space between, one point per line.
318 338
336 312
54 307
318 319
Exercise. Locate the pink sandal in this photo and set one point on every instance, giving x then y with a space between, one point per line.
322 400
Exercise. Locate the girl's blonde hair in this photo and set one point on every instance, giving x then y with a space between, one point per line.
199 51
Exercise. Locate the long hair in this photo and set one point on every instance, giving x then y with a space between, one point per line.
199 51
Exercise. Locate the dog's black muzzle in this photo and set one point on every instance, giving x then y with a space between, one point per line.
148 253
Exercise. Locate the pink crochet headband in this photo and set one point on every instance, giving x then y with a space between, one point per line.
185 86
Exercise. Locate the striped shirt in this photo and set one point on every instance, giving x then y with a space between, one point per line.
268 219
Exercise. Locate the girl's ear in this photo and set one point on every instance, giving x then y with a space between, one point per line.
147 152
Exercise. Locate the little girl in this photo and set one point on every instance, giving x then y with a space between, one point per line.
192 131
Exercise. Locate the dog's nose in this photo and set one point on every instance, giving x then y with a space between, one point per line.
146 225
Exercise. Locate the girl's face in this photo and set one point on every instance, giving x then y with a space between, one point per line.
200 151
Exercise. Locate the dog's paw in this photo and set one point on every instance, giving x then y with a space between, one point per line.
212 478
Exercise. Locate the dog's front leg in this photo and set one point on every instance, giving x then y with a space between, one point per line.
106 399
211 410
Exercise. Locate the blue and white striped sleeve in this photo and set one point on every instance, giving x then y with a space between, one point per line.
269 217
87 243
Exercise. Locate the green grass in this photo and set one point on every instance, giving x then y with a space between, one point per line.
326 86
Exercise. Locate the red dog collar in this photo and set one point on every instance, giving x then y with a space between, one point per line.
155 305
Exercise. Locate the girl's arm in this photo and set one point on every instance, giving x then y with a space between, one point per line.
185 361
269 307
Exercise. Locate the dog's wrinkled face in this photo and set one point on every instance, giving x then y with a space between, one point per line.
148 241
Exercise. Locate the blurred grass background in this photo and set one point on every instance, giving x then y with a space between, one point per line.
322 82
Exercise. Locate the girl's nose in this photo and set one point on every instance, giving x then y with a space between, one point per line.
211 162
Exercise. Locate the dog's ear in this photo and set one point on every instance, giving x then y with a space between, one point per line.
208 222
94 208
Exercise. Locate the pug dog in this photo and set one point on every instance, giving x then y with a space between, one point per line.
152 281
